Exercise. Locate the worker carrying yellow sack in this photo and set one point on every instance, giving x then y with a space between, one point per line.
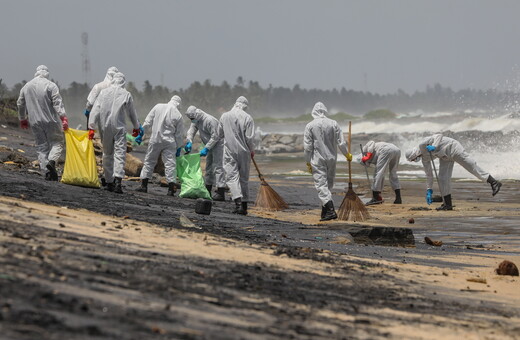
80 161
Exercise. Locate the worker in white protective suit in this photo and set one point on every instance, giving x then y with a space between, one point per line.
449 151
384 156
321 139
207 126
96 90
108 117
40 106
238 129
167 136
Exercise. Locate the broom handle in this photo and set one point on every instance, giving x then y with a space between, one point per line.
257 170
348 146
436 176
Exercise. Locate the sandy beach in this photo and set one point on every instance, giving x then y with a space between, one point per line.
82 263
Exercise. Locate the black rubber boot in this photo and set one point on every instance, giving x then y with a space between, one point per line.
48 176
209 187
398 196
447 205
376 198
495 185
118 188
244 209
144 185
238 206
171 189
323 211
110 187
220 195
53 174
330 213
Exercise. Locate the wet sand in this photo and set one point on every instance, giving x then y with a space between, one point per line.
81 263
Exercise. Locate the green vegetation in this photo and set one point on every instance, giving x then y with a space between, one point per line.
342 116
380 114
269 101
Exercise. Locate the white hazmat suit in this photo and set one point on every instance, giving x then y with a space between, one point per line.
96 90
238 129
108 117
41 104
208 128
384 156
167 136
321 139
449 151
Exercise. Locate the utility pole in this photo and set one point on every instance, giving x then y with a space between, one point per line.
85 59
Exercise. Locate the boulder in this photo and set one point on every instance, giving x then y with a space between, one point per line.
287 139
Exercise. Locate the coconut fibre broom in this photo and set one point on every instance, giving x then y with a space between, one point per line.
352 207
267 198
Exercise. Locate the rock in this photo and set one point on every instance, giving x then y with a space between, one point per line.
279 148
507 268
133 166
384 236
345 239
286 140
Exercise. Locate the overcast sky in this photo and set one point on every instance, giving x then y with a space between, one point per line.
379 46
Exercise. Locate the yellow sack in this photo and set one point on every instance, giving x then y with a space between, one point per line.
80 161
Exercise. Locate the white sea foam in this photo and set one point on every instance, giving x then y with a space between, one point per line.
494 153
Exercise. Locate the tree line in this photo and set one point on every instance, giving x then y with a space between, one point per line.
284 101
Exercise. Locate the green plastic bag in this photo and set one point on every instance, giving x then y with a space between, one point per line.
190 176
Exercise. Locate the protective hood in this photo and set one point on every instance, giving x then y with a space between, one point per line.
319 110
413 155
119 80
176 100
241 103
110 73
194 113
42 71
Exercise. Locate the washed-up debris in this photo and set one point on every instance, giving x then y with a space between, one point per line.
507 268
477 280
431 242
419 209
187 223
411 221
343 240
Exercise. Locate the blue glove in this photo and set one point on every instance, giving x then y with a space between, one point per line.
187 148
430 148
86 113
204 152
178 153
139 138
429 198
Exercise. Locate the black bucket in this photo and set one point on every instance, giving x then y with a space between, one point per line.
203 206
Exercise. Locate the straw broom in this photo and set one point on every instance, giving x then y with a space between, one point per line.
352 207
267 198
